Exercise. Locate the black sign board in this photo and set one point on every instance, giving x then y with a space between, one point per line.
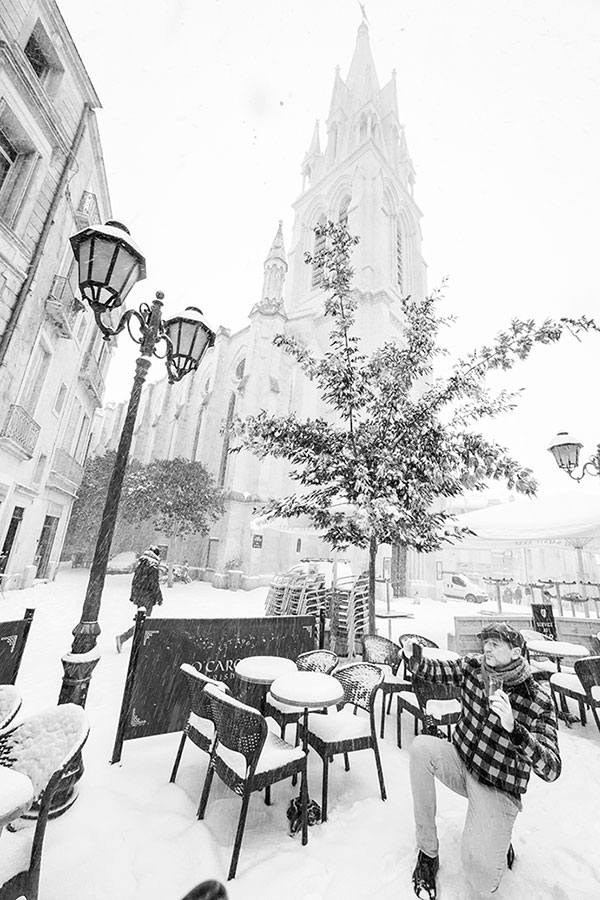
257 540
13 637
543 619
155 698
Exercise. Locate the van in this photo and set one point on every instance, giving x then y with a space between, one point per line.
459 587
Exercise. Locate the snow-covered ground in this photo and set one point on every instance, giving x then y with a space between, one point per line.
132 835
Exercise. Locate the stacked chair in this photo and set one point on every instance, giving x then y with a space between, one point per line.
349 616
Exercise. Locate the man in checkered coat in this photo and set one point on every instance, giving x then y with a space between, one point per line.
501 736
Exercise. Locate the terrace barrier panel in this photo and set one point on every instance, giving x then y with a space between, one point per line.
155 699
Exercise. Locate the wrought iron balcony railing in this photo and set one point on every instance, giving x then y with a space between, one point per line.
63 305
66 473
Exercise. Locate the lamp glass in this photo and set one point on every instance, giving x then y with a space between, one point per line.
565 451
109 264
190 338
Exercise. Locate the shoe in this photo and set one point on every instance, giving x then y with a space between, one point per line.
510 856
119 642
424 876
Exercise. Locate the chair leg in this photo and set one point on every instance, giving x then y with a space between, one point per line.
268 795
416 726
346 762
177 758
399 724
237 846
595 715
389 709
304 803
379 770
205 791
582 714
382 732
325 788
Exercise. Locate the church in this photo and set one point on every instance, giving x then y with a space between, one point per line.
358 169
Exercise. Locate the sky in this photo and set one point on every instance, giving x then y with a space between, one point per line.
209 108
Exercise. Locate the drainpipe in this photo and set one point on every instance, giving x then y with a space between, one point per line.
15 315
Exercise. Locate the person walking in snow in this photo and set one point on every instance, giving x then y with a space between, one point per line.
501 736
145 587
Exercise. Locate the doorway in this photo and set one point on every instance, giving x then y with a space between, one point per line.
11 534
44 547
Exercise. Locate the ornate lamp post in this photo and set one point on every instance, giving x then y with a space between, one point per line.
566 450
109 265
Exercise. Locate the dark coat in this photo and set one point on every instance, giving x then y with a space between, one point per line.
145 587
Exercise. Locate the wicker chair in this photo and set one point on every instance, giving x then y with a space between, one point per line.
313 661
247 757
427 701
583 686
344 731
42 747
541 666
10 704
388 656
199 727
417 639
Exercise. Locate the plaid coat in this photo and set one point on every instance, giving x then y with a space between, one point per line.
490 753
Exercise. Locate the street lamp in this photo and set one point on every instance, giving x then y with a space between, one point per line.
566 450
109 265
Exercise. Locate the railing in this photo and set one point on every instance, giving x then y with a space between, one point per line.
92 377
65 466
62 305
21 430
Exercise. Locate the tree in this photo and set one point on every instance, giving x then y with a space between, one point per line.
180 498
402 436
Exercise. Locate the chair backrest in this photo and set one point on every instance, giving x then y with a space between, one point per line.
10 704
360 682
377 649
45 743
588 672
317 661
196 682
238 727
425 690
418 639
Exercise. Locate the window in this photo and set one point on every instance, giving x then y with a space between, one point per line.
37 57
60 399
69 435
318 265
343 217
399 258
81 439
8 157
239 372
39 468
36 376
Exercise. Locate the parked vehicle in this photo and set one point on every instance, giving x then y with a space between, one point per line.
459 587
323 566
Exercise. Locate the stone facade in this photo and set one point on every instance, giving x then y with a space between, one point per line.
365 174
52 359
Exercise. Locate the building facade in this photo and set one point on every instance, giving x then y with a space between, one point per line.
52 358
363 174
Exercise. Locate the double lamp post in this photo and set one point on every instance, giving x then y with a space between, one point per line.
109 265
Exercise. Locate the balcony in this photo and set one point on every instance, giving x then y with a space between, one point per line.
62 306
88 212
65 473
19 433
92 378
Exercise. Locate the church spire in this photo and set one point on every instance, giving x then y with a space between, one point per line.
362 83
275 270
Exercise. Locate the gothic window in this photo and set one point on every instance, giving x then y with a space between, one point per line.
343 217
363 129
318 266
399 258
225 451
239 372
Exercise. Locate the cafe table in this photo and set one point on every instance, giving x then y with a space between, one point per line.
558 650
16 795
307 691
262 671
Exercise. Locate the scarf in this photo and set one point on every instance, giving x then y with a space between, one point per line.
516 672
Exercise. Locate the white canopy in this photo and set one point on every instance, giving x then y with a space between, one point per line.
573 518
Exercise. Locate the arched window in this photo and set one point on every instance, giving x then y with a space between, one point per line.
399 256
318 264
239 372
225 451
344 205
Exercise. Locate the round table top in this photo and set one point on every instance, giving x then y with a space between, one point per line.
558 648
264 669
440 654
16 794
307 690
